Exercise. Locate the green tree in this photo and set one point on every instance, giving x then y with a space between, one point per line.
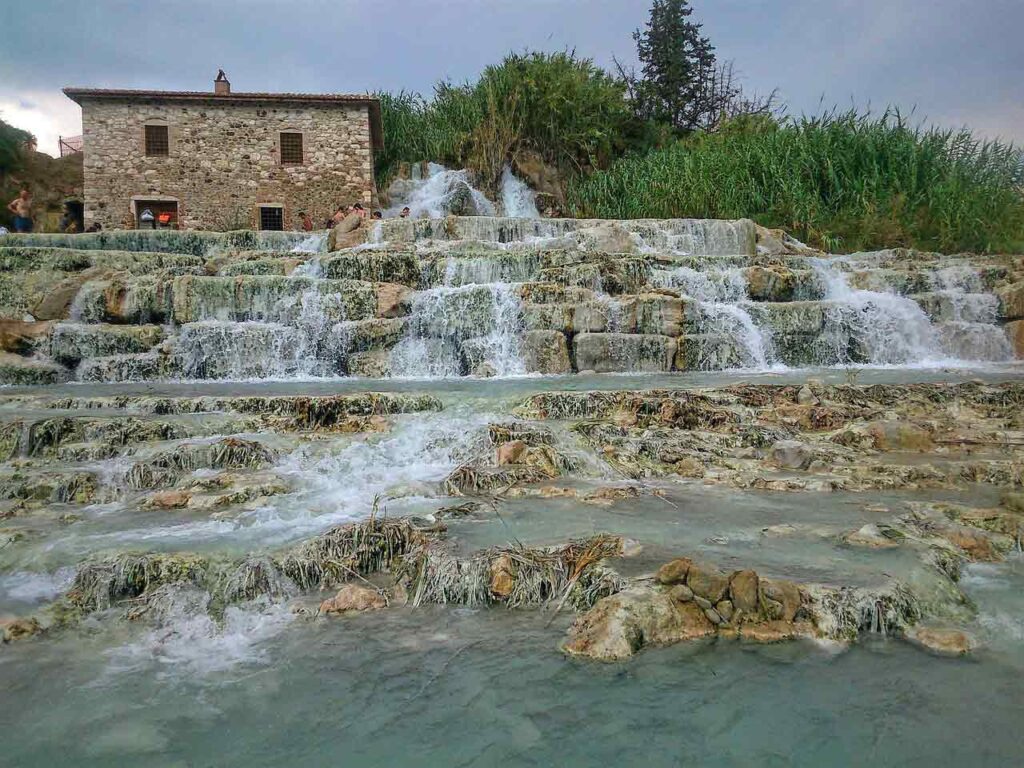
679 86
12 148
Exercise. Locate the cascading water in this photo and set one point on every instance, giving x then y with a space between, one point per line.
884 328
871 326
517 199
439 193
457 330
732 338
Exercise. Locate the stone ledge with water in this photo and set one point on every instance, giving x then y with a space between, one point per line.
227 453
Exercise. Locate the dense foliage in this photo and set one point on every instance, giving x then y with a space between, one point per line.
678 65
842 181
562 107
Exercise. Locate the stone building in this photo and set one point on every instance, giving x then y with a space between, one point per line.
223 160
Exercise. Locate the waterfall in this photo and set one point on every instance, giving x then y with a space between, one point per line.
871 326
453 331
732 338
315 243
518 200
437 195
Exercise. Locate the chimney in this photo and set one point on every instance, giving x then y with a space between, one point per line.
221 86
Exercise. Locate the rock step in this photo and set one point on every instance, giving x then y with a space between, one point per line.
194 242
695 236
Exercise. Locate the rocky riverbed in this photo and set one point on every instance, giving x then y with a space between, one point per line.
291 482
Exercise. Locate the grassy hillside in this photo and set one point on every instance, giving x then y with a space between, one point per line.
843 181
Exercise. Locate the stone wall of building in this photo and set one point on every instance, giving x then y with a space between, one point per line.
224 160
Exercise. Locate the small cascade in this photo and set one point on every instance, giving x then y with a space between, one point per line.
442 192
517 199
884 328
454 331
731 338
315 243
871 326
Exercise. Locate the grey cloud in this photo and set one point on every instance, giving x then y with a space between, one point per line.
949 58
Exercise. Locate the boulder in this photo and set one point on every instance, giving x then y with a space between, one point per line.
869 536
944 642
22 338
347 233
353 597
744 589
624 352
393 299
791 454
12 629
770 283
785 595
707 582
502 576
894 435
461 202
546 352
674 572
510 452
620 625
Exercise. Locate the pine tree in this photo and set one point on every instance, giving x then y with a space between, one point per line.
678 66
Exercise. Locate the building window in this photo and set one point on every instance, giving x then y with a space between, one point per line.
157 143
291 149
272 217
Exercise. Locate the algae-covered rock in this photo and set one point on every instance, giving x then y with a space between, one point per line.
546 352
18 370
623 352
384 266
72 342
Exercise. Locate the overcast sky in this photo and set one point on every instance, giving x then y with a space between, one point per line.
957 61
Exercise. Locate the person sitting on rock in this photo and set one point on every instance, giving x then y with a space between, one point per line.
340 213
307 222
377 215
405 212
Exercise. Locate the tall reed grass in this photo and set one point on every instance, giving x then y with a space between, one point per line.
845 181
565 109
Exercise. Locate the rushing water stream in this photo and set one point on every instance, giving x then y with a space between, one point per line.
239 352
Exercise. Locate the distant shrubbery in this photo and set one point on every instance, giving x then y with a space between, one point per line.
843 181
681 139
565 108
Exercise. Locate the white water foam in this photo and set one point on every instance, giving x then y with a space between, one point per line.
433 196
517 199
883 328
723 318
454 330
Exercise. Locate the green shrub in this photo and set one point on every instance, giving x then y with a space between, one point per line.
566 109
844 180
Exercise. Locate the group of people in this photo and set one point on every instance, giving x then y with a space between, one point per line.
357 210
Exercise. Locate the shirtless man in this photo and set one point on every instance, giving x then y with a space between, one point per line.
21 207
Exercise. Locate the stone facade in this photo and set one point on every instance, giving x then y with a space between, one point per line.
223 160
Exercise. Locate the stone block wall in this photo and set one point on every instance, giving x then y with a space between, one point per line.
224 160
